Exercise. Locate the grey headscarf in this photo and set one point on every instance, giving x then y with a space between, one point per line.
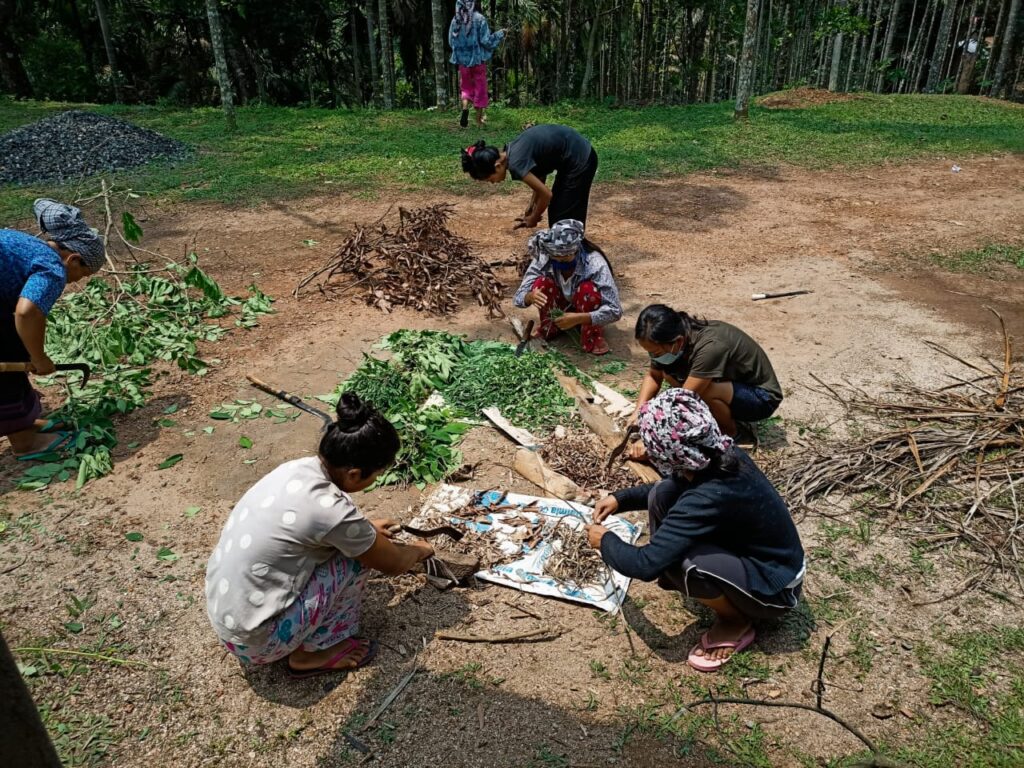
464 16
64 225
563 239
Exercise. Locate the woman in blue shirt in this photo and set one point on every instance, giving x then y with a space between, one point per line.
33 273
472 44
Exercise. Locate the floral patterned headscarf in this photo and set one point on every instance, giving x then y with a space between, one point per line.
679 432
464 15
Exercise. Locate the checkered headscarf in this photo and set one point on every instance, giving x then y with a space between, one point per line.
64 225
679 432
563 239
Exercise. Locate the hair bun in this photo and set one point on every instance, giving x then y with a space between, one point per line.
352 412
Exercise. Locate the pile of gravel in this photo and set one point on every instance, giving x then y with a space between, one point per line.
74 144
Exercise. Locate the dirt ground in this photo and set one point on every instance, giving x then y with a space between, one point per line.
597 694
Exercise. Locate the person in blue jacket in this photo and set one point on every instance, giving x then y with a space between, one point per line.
720 532
472 45
33 273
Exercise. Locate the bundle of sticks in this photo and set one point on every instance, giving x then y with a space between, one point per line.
948 460
420 264
581 457
573 561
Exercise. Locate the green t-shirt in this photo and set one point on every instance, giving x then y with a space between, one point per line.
722 352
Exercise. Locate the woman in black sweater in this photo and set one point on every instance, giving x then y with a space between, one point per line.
720 532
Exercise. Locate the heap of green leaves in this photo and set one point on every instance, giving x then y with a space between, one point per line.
471 375
120 330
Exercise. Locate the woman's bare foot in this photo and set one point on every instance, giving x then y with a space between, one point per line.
722 632
348 654
30 441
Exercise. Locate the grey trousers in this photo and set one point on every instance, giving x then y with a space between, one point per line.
708 571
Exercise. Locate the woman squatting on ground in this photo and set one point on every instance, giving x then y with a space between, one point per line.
716 360
472 45
720 532
286 578
570 274
33 273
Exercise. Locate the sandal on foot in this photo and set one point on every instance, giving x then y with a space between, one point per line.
704 664
52 425
60 440
351 645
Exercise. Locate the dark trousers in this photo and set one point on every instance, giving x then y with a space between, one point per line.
570 195
19 402
709 572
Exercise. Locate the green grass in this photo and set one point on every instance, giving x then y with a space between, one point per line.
282 152
982 260
978 674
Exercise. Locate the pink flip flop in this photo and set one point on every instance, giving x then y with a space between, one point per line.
703 664
350 645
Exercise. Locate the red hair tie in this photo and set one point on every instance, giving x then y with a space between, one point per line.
471 150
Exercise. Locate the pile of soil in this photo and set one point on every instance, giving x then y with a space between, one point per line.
74 144
801 98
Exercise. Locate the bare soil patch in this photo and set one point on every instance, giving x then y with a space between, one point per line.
801 98
600 693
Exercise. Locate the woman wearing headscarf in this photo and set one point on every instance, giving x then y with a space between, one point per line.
33 273
472 45
571 283
720 532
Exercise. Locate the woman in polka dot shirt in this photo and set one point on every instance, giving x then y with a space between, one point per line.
287 576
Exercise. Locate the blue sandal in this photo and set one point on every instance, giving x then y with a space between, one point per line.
60 440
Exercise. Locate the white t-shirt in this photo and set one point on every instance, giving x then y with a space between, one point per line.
291 521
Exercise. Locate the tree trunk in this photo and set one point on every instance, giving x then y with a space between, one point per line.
997 33
1012 20
387 54
941 46
220 59
26 742
837 58
371 32
438 53
745 72
869 55
588 70
357 69
890 32
108 43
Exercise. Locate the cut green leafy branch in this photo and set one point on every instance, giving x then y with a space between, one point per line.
121 330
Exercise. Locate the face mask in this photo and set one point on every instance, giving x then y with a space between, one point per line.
564 266
666 359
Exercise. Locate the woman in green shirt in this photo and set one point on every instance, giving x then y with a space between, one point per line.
718 361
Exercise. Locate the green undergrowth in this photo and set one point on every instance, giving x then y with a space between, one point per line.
281 151
982 260
470 376
121 330
976 677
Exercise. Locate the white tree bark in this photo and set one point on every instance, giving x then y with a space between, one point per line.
220 59
745 71
438 53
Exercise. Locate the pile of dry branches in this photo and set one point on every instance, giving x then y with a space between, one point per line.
420 264
949 460
573 561
580 456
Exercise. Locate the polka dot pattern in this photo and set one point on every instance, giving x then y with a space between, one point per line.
294 486
245 541
267 502
229 621
327 500
227 545
259 569
223 586
288 518
256 597
354 530
243 514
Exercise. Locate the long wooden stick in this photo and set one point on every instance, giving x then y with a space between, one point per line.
536 636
